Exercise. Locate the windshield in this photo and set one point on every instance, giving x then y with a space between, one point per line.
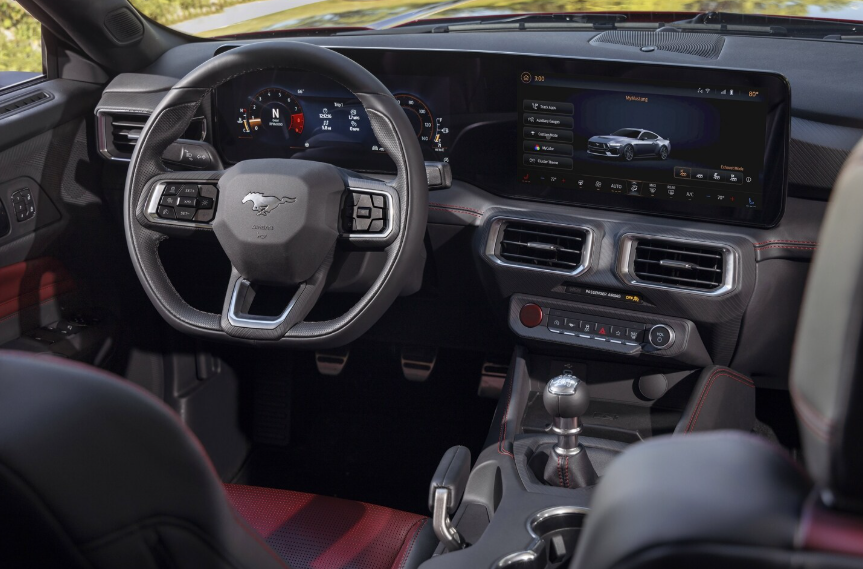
212 18
626 132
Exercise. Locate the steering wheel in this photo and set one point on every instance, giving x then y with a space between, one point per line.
280 221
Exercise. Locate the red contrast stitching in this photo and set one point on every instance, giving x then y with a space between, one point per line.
786 241
705 391
786 247
502 438
451 210
566 466
479 211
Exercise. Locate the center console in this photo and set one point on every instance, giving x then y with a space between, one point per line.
560 423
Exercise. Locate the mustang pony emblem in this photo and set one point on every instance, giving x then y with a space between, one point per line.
265 204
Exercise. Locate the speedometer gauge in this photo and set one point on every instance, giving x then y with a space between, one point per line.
272 114
419 115
430 130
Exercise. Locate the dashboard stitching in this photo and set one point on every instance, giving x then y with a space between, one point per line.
450 206
787 247
452 210
785 241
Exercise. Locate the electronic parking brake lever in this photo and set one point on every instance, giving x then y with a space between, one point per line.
445 493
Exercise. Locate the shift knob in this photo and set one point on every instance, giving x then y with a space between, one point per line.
566 396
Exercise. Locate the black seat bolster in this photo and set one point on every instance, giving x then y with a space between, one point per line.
723 487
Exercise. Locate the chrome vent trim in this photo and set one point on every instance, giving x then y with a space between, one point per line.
119 131
685 265
523 243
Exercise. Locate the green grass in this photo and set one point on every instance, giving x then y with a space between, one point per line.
20 39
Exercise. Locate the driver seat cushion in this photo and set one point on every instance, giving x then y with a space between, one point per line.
320 532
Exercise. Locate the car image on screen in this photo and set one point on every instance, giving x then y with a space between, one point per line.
630 143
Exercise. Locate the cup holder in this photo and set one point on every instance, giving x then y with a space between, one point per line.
555 533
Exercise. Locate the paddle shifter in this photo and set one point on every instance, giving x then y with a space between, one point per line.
566 398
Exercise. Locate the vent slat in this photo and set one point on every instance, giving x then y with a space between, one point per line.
695 267
542 246
704 265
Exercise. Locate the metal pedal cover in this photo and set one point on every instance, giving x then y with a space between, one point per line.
332 362
492 377
418 362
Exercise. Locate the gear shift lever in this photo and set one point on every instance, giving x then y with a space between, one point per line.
566 398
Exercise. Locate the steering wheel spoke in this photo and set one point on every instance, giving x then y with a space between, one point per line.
370 213
176 202
238 314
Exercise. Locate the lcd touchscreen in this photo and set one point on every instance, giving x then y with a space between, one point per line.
682 142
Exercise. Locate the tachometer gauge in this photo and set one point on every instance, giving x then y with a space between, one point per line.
273 114
430 130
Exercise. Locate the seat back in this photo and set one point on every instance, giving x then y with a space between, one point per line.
96 472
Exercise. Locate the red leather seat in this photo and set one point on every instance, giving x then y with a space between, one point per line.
320 532
97 473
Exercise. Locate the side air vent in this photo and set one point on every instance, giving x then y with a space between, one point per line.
119 132
686 265
706 46
540 246
24 102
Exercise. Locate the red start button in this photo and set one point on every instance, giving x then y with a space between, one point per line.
530 315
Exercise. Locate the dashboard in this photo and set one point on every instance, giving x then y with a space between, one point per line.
666 140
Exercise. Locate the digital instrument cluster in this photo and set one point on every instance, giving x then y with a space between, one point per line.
681 141
284 114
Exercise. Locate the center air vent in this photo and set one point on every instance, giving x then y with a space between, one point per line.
686 265
541 246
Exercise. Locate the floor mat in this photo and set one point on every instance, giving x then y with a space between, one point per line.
371 435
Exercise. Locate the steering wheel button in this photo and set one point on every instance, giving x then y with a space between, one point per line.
361 224
187 202
364 212
205 203
188 190
376 226
204 215
185 213
171 201
378 201
377 213
166 212
171 190
208 191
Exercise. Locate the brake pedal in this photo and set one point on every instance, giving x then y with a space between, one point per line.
332 362
418 362
492 377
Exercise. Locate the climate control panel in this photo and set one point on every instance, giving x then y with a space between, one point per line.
604 328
